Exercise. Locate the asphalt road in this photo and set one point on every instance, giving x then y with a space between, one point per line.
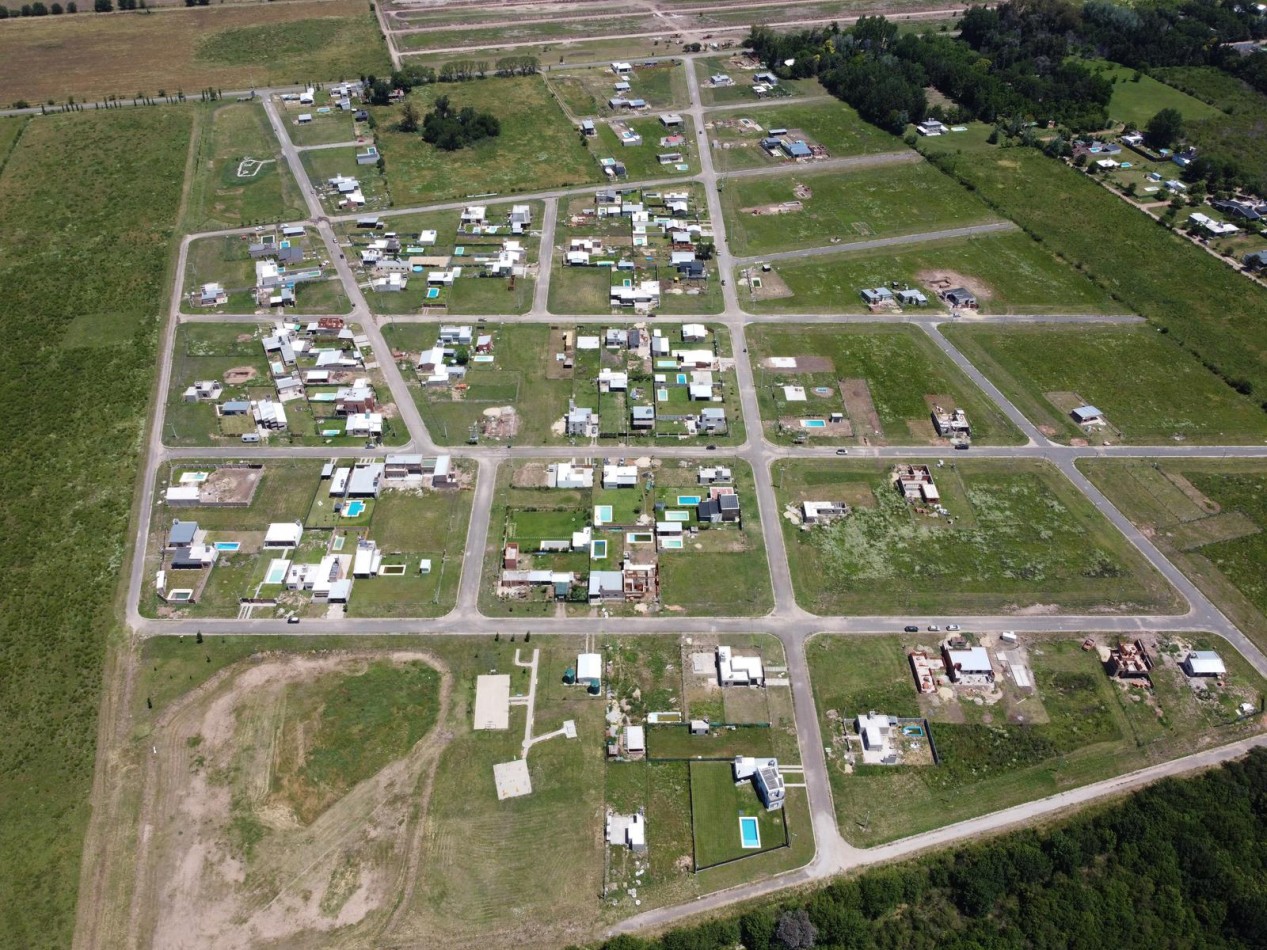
787 620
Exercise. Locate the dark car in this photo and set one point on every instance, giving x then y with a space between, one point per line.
911 628
842 451
711 448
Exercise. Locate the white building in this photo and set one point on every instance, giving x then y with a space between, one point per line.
765 777
589 669
283 534
739 670
1204 663
567 475
620 476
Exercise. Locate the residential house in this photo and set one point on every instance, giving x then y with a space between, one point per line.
641 296
183 534
367 559
967 666
620 476
718 509
212 295
195 557
204 390
712 420
569 475
931 127
715 475
912 298
950 424
877 296
270 415
765 777
367 157
961 298
283 535
474 215
359 397
402 466
694 333
915 483
822 512
642 417
457 335
606 585
364 425
734 670
612 381
581 422
1087 416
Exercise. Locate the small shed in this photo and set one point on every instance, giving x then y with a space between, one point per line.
1204 663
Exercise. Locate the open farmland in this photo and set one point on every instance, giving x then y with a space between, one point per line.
229 47
851 206
1148 388
1206 307
1009 273
82 353
538 147
897 370
1017 535
1007 744
1209 516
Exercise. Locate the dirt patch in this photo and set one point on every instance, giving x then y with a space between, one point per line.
206 791
500 422
231 486
530 475
239 375
939 281
782 207
767 285
860 409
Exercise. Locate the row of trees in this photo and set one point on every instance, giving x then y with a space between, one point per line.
412 76
38 9
1179 864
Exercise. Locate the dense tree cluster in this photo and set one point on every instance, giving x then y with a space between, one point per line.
450 129
1182 863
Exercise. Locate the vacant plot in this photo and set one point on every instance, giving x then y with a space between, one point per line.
643 161
475 38
323 129
232 47
741 69
538 147
81 277
831 124
587 92
903 374
226 193
1017 536
1009 273
1149 389
1137 98
844 206
1208 516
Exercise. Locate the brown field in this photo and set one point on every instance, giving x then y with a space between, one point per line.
92 55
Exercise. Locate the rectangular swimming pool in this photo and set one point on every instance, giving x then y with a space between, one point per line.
639 537
598 550
681 379
814 423
602 514
228 545
433 293
688 499
677 516
749 832
277 569
662 395
671 544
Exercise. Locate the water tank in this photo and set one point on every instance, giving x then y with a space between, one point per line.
569 676
593 688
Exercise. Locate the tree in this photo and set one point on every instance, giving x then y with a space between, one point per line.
1164 129
102 6
56 9
409 118
795 929
198 637
72 7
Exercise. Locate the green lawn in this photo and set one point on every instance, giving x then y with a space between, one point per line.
82 280
1010 273
1208 517
324 129
221 198
1149 389
1135 101
831 124
1207 308
1078 727
1018 534
676 742
641 161
717 803
538 147
586 91
902 368
845 206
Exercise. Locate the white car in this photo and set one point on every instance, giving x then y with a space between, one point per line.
933 628
952 626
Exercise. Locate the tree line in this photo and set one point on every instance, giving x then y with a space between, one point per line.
1181 863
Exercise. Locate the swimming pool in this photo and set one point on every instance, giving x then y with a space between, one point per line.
822 391
353 509
681 379
666 364
915 732
813 423
639 537
598 550
602 514
662 395
749 832
194 477
677 516
228 545
433 293
688 499
277 569
671 544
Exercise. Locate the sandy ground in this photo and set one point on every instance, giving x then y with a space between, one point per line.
212 767
940 280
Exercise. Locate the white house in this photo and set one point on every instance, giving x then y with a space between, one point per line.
589 669
283 534
1204 663
738 670
765 777
567 475
620 476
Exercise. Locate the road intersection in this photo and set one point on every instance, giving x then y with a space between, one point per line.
788 621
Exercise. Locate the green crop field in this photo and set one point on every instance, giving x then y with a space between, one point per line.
717 804
81 326
1074 728
830 123
1207 308
1135 101
904 372
1149 389
538 147
1009 273
1209 517
845 206
1017 534
219 196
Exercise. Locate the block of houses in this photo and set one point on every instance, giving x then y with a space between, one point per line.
721 507
1203 663
822 512
581 421
620 476
765 777
364 425
612 381
569 475
915 482
203 390
967 666
643 295
950 424
733 670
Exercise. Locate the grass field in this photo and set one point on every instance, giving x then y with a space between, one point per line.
831 124
1208 516
324 129
1078 727
1135 102
219 197
741 91
902 367
1010 273
1017 535
1149 389
850 206
538 147
1235 131
1207 308
229 47
641 161
585 92
82 350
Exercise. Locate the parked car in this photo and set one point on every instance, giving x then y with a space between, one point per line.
292 619
952 626
911 628
842 451
933 628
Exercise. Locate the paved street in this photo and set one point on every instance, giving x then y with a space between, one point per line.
788 621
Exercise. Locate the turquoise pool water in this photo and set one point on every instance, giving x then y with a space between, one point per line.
353 509
677 516
813 423
602 514
681 379
749 832
228 545
671 544
688 499
276 574
661 395
913 731
433 293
